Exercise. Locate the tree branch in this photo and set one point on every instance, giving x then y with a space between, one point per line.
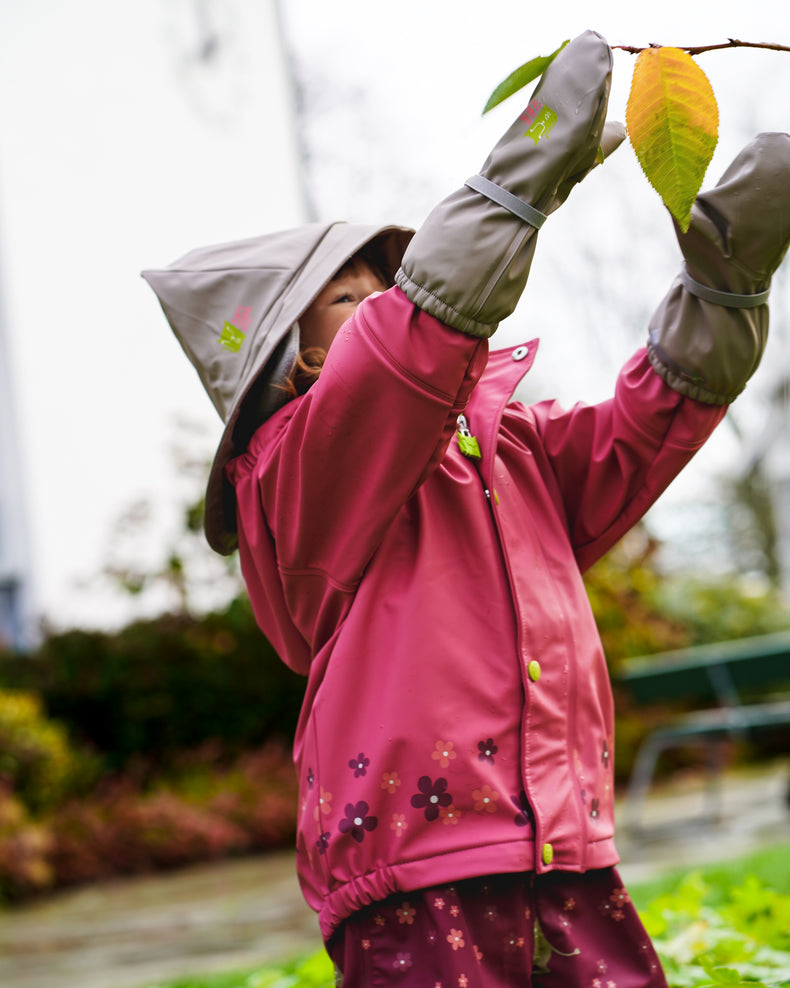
730 43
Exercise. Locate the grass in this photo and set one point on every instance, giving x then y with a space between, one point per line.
312 971
770 865
677 894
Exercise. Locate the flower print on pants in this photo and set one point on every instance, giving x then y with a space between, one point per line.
357 821
402 961
431 797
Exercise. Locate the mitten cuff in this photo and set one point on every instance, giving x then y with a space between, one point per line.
703 349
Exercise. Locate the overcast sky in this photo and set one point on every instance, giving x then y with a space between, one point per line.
121 148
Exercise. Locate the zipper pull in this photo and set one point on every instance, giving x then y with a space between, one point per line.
467 443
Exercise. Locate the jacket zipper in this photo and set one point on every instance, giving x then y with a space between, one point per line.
470 447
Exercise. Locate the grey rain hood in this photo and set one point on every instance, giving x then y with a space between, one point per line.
234 308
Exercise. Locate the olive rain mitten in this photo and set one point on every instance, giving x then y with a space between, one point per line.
708 335
468 263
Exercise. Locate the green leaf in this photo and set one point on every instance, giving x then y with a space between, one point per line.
721 975
522 76
672 120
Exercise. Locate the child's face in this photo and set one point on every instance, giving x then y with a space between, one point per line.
338 302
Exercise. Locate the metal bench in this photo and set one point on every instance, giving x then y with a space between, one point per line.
738 676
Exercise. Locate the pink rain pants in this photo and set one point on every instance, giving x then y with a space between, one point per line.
557 930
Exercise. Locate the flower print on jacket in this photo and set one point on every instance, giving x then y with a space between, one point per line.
390 782
399 824
357 821
323 842
359 764
485 799
324 806
310 778
431 797
524 817
595 812
486 751
444 753
606 754
450 815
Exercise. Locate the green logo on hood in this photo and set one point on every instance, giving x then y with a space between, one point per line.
231 338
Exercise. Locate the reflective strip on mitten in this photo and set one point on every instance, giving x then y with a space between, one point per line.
707 336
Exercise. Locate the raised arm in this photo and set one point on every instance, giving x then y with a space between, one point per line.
329 474
708 335
706 339
469 262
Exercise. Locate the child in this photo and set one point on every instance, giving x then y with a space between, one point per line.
413 543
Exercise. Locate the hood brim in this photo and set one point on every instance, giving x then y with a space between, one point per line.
261 383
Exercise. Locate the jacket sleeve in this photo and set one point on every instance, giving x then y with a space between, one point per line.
332 469
612 461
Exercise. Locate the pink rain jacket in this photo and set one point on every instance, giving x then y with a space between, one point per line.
458 714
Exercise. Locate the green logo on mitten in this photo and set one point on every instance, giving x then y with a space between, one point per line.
544 121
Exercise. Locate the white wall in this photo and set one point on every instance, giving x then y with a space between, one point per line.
121 149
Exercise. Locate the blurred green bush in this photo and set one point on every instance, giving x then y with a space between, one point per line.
37 759
157 688
165 744
25 847
208 809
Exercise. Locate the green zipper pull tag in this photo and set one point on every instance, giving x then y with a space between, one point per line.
467 443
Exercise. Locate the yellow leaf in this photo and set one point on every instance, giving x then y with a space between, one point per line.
673 122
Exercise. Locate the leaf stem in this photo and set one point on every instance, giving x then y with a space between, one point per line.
698 50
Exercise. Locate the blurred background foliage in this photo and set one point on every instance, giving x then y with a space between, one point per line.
160 687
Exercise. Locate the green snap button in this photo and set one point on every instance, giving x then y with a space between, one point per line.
547 854
534 670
